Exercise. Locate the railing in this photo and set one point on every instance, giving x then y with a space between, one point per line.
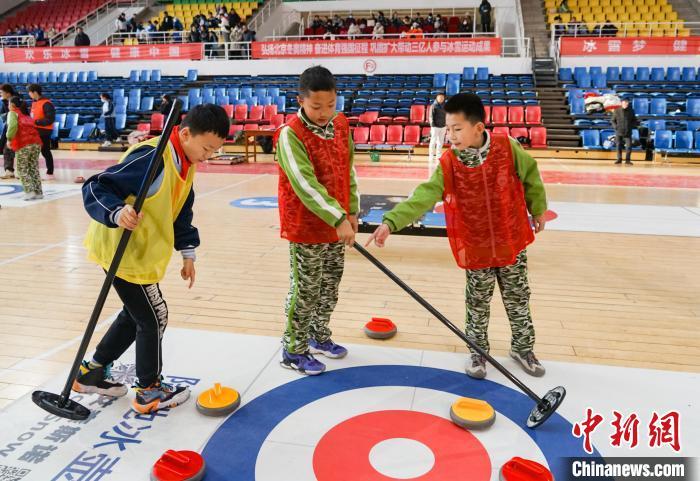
145 37
96 15
345 36
627 29
263 14
516 47
18 41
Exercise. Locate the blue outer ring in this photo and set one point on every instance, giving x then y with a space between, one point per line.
13 189
234 447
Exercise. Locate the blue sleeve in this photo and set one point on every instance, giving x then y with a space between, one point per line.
105 193
186 235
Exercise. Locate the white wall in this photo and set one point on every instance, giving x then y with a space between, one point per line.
6 5
350 65
632 61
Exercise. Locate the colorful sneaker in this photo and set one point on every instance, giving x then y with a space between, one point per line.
9 174
159 395
98 381
304 363
529 363
476 366
329 349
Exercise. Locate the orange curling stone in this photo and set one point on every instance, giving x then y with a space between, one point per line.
519 469
380 328
179 466
472 413
218 401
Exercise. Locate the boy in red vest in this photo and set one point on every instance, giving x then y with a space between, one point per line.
488 183
318 205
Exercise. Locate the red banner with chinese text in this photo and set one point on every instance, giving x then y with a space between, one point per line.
114 53
586 46
383 47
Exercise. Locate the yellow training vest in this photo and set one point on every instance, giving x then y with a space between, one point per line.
151 244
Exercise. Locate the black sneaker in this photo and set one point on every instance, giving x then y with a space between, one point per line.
98 381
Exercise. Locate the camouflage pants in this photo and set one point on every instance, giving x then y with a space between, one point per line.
515 293
27 159
315 274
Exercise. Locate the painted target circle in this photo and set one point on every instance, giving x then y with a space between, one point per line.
455 450
242 441
10 189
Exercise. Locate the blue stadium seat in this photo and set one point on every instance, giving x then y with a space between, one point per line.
684 140
482 73
697 141
468 73
688 74
439 80
657 74
656 124
612 74
599 81
595 70
590 139
692 107
643 73
640 105
658 106
673 74
578 106
663 139
627 74
76 132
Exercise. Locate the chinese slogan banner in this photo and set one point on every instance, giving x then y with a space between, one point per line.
388 47
630 46
187 51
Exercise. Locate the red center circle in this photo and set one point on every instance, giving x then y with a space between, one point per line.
342 454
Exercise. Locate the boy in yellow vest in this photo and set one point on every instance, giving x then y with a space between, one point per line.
164 223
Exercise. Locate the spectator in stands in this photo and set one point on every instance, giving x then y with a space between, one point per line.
44 115
437 24
609 29
406 22
395 20
429 20
177 25
25 141
623 121
353 30
234 19
485 11
81 38
248 35
132 24
167 24
467 25
316 23
38 33
372 21
559 28
237 36
52 32
7 92
110 122
437 132
166 104
416 31
349 20
120 23
564 7
381 18
337 21
378 31
212 21
329 25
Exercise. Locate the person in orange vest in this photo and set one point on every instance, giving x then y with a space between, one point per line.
318 205
44 115
24 140
415 32
488 185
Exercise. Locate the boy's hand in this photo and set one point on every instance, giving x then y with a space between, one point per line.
346 234
187 271
379 236
354 223
128 218
539 222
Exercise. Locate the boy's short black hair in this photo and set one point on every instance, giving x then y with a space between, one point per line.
316 79
207 118
106 95
468 104
35 88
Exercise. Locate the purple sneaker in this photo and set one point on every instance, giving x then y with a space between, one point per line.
329 349
304 363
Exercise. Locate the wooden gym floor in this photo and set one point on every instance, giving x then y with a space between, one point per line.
602 298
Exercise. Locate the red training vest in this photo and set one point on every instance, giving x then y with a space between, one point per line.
331 161
26 133
487 219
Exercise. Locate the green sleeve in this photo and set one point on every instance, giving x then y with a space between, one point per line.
529 174
295 162
354 194
423 199
12 122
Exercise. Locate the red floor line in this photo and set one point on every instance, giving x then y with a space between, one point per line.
393 172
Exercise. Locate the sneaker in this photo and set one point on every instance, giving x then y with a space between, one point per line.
49 177
159 395
476 366
618 162
9 174
329 349
629 162
106 143
304 363
33 196
98 381
529 363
